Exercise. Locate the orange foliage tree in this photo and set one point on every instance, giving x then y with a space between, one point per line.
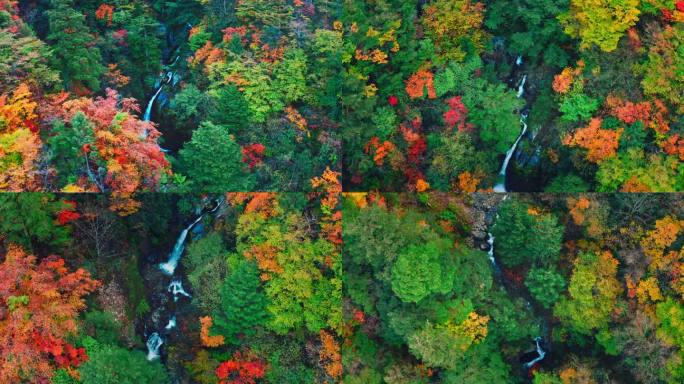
562 82
116 77
106 13
587 211
329 355
467 182
600 143
674 145
380 151
422 186
39 306
264 203
648 290
206 339
417 84
652 114
266 257
332 186
124 204
577 209
207 55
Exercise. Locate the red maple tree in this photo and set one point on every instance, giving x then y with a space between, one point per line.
68 214
127 145
241 369
253 154
39 307
457 114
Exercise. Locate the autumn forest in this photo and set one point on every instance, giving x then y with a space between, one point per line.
396 95
341 191
278 288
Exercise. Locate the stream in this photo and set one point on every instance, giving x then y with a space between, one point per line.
150 104
168 77
174 290
500 187
498 275
169 267
540 354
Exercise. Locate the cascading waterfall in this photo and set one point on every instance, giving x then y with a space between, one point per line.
148 111
171 324
492 259
175 288
490 241
168 77
154 342
165 78
500 187
540 352
169 267
521 87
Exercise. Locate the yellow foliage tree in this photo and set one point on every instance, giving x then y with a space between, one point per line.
648 291
657 240
19 143
448 22
600 22
472 330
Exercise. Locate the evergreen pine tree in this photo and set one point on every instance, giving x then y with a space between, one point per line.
243 303
74 53
212 161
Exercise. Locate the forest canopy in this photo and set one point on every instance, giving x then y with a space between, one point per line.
227 288
397 95
541 288
341 191
328 287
